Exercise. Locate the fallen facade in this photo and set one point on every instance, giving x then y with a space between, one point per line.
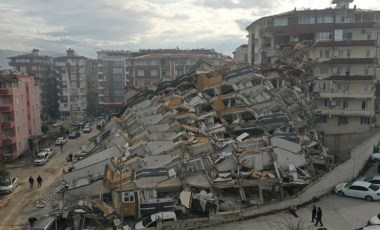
205 142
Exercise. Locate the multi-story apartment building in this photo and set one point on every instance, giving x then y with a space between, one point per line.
42 67
72 78
112 66
241 54
345 44
92 89
20 114
148 67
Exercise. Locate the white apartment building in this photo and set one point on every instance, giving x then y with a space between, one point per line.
72 73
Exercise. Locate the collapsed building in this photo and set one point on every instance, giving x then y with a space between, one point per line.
209 141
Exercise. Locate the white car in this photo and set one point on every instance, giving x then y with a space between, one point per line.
42 158
371 179
58 124
359 189
87 129
60 140
49 150
9 185
151 221
375 157
375 220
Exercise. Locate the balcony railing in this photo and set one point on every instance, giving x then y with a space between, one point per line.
9 140
7 124
6 108
6 91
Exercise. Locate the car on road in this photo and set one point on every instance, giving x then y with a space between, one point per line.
42 158
9 185
74 135
151 221
60 140
58 124
375 220
371 179
375 157
49 150
87 129
359 189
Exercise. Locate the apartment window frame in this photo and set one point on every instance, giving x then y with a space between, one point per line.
281 21
306 19
365 120
343 120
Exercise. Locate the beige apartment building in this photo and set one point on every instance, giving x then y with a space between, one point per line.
345 51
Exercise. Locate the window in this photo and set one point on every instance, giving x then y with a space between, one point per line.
364 105
325 19
324 69
368 53
324 36
280 22
348 70
365 121
347 36
117 70
128 197
324 53
342 120
140 73
369 35
306 20
322 119
340 53
153 73
366 71
348 53
345 104
34 67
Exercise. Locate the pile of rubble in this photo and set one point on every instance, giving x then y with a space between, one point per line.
207 141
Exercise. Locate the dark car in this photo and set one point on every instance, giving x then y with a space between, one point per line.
74 135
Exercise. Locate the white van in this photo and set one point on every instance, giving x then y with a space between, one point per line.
151 221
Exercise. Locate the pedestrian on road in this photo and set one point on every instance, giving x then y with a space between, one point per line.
313 214
31 181
319 217
61 146
39 181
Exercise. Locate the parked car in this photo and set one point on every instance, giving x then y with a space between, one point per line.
50 151
9 186
359 189
42 158
87 129
60 140
74 135
371 179
151 221
58 124
375 220
375 157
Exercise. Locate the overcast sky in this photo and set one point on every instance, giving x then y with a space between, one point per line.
89 26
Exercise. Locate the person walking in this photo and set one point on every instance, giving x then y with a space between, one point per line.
313 214
319 217
31 181
61 147
39 181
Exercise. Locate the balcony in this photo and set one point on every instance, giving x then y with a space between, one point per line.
345 43
352 61
6 91
6 108
9 140
337 111
345 94
7 124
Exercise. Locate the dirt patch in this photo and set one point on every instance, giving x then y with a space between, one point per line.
51 170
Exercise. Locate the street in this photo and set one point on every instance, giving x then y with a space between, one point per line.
16 208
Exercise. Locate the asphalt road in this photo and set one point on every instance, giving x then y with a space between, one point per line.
15 206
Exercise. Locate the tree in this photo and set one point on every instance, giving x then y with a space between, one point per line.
4 173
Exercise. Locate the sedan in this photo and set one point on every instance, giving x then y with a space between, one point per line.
9 185
42 158
74 135
371 179
359 189
87 129
50 151
375 157
60 140
58 124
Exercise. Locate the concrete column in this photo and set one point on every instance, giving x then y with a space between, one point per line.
261 195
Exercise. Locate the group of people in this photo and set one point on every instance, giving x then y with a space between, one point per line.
39 181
